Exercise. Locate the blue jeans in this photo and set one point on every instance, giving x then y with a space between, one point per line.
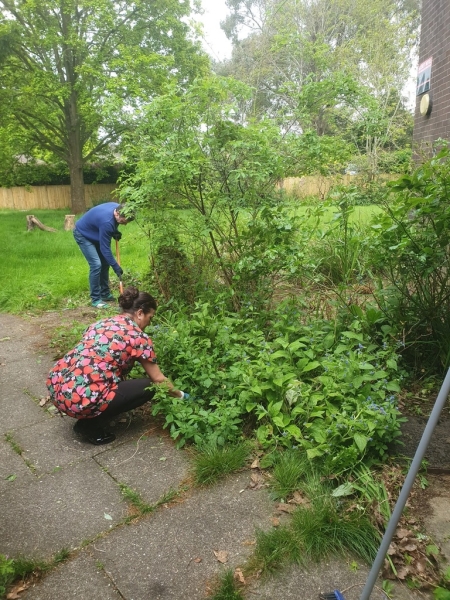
98 267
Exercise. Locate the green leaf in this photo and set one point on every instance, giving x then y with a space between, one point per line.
314 452
310 366
360 441
343 490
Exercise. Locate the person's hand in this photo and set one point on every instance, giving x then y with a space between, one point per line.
119 272
117 236
184 395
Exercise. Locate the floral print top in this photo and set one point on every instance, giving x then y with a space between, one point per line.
85 380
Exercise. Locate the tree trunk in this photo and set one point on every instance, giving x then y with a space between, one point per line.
77 186
69 222
32 222
75 153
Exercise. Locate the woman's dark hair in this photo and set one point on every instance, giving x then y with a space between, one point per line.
132 300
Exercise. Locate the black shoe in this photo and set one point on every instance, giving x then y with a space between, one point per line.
92 432
101 437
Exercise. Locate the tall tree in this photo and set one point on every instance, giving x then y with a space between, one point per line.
74 72
326 65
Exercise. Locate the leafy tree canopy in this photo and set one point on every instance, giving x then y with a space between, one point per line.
74 73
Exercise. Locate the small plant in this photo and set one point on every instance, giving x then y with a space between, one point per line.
12 569
288 471
139 504
227 588
316 531
213 462
7 573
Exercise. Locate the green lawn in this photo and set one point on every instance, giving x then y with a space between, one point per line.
47 270
43 270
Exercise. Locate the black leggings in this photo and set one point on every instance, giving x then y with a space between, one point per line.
130 394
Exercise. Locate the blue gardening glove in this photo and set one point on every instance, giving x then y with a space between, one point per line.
185 395
117 236
119 272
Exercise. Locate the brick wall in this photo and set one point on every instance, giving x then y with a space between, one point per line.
435 44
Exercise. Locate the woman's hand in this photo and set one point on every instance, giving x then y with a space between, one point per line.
157 376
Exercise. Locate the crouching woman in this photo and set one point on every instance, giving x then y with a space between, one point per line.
89 383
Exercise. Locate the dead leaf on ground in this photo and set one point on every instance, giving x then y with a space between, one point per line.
392 550
16 590
221 556
403 573
275 521
299 499
255 464
287 508
239 575
198 560
401 533
44 400
249 542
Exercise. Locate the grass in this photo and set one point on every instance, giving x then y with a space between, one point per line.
42 270
316 530
227 588
14 569
139 504
214 462
288 472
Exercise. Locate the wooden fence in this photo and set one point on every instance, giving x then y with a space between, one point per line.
318 186
302 187
51 196
58 196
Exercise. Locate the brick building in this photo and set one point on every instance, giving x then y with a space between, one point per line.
432 114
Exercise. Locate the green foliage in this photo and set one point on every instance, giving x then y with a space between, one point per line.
227 588
213 462
69 90
411 253
316 530
7 573
12 569
333 393
323 531
35 172
288 471
45 271
193 150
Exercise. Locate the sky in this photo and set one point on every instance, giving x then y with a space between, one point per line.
216 42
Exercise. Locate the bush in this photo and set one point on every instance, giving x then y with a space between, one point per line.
412 253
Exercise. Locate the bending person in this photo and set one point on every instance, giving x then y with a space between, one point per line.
88 382
93 233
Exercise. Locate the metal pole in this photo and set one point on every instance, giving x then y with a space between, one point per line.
409 481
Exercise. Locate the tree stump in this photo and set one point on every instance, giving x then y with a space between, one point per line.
69 222
33 222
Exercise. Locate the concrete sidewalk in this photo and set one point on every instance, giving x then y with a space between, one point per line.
57 492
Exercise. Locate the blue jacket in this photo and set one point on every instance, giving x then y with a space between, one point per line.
98 226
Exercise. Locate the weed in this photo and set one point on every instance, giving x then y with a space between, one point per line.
14 445
213 462
139 504
227 588
322 531
12 569
274 549
315 532
135 499
289 469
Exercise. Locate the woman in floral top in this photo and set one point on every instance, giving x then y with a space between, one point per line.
88 382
